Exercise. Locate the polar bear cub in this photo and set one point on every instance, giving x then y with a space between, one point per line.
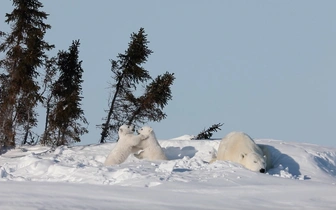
127 141
150 146
240 148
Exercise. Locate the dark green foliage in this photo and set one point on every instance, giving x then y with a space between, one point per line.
63 105
148 107
206 134
128 72
24 50
125 106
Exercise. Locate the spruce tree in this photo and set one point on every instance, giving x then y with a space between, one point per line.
65 101
24 49
125 105
127 73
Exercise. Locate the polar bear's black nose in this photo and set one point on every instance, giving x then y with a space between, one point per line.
262 170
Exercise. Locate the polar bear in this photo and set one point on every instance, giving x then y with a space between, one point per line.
127 141
240 148
151 149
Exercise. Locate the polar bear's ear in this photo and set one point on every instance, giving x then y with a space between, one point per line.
120 130
150 130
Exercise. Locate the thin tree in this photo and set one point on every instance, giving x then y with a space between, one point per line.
24 50
127 73
65 112
48 82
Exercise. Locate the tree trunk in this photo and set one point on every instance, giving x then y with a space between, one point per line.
44 140
58 137
25 136
26 131
108 119
9 133
135 113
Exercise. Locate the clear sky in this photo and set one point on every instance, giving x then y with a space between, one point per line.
263 67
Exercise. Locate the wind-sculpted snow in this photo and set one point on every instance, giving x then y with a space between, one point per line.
188 162
301 176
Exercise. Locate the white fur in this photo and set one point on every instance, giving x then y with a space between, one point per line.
127 140
150 146
240 148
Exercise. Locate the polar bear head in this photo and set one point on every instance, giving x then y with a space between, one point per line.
146 131
254 162
126 129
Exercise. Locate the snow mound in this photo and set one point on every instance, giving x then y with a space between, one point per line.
29 175
300 161
188 162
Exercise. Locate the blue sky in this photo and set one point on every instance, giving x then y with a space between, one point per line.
263 67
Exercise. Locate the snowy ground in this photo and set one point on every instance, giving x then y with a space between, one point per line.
303 177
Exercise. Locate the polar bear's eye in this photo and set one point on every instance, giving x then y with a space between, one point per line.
255 161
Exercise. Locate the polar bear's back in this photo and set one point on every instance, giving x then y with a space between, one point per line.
234 144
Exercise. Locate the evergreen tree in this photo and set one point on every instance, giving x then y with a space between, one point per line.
128 72
48 82
64 103
207 133
125 106
24 50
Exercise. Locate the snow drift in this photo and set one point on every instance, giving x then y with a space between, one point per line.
302 175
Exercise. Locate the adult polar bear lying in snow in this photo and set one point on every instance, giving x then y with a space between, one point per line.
240 148
125 145
151 149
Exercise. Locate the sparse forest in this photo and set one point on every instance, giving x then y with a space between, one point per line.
30 76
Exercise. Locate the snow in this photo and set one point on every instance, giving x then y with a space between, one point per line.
303 176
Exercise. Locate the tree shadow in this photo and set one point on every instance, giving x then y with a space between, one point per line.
280 164
173 153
